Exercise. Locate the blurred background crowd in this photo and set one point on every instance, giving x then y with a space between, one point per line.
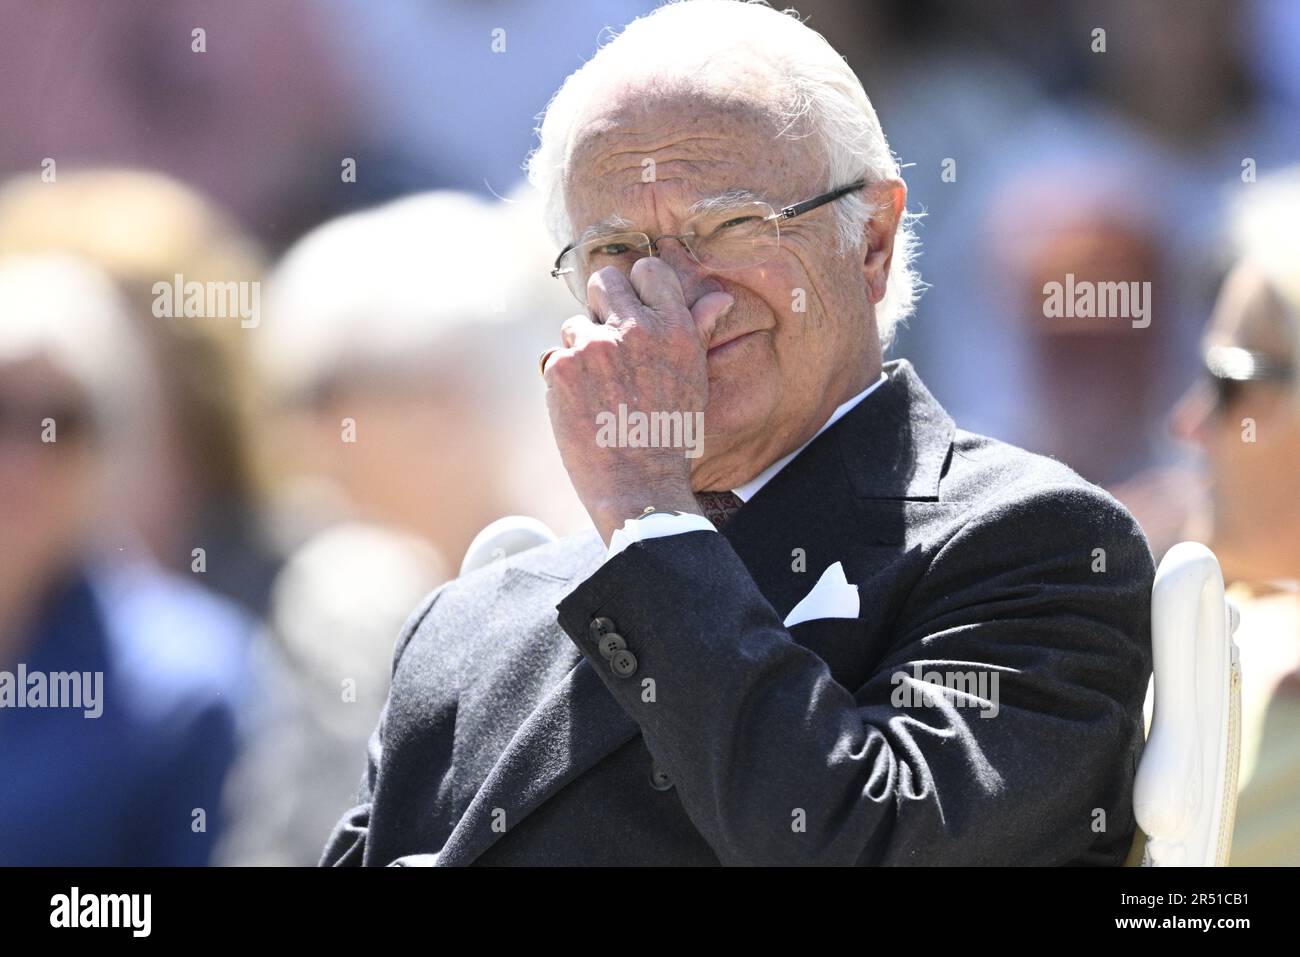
237 514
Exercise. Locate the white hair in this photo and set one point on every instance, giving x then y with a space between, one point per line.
66 311
439 277
816 90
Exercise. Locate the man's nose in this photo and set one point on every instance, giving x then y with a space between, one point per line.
696 280
1191 416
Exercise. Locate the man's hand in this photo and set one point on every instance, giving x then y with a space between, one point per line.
649 352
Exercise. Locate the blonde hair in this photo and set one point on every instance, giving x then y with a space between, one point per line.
140 227
1264 235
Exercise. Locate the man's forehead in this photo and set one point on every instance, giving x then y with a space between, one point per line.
678 156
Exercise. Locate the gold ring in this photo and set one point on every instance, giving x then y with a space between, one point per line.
546 355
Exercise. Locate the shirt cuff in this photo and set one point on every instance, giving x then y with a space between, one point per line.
655 525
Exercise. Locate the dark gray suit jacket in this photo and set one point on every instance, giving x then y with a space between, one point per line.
510 738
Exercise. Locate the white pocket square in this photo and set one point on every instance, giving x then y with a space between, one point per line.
831 597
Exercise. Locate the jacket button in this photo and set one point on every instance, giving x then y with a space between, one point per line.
611 644
659 779
600 627
623 663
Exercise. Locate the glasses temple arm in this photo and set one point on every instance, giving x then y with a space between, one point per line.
798 209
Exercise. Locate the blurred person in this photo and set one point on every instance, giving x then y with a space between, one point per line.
198 486
393 346
1245 417
335 607
1165 112
245 100
1087 289
1192 83
727 668
134 777
1090 386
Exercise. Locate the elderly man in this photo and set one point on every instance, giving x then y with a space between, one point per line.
845 632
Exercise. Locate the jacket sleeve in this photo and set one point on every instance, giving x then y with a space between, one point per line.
777 763
347 842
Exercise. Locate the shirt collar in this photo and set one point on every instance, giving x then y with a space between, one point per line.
750 488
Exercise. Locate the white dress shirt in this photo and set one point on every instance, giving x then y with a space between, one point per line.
659 524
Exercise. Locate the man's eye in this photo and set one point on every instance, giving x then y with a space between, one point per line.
736 222
612 249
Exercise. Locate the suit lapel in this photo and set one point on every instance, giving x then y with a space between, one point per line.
896 448
846 496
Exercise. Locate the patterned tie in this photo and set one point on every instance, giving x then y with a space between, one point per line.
719 507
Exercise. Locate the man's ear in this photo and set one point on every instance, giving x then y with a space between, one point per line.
886 199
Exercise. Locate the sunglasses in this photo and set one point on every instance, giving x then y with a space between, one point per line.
1230 369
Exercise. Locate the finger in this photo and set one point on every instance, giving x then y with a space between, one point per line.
550 360
588 332
611 297
574 328
657 285
708 310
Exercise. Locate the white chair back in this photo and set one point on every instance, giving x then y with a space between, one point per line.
1185 793
505 536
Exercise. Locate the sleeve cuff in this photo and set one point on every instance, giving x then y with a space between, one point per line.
655 525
